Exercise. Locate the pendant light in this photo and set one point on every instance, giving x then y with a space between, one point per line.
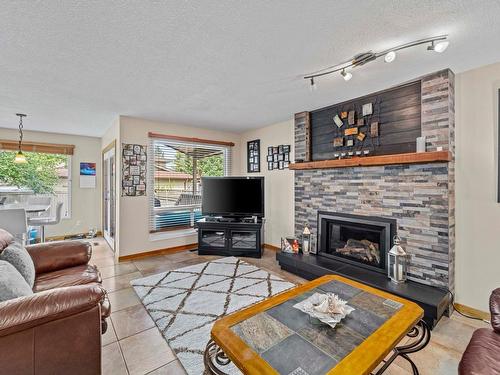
20 158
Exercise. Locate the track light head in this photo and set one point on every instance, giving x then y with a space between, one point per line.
313 86
390 56
347 75
438 46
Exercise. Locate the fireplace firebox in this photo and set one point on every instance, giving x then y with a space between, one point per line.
360 240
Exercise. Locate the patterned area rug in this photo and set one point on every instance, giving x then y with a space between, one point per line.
185 303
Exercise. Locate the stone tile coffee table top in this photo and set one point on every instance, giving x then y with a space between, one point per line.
273 337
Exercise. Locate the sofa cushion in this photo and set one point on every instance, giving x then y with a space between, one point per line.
12 283
18 256
78 275
5 239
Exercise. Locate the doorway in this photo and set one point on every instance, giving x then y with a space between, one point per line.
109 195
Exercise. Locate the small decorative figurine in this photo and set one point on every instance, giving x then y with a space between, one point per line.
421 144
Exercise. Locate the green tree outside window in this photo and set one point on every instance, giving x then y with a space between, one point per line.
38 174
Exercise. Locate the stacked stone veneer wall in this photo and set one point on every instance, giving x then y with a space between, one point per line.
420 197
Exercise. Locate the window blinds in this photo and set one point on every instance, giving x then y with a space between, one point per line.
48 148
175 168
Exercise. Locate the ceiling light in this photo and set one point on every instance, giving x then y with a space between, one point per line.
439 46
20 158
437 43
347 75
390 56
313 85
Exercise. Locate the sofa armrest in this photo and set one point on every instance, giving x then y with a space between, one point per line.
26 312
495 309
53 256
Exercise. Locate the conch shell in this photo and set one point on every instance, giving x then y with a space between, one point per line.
330 304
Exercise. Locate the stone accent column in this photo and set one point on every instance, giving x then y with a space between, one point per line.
302 137
436 99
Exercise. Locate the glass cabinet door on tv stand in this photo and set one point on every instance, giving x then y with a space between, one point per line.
212 238
243 239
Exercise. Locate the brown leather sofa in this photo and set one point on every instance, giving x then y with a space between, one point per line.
57 330
482 355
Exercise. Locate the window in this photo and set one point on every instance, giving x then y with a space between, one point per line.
176 166
44 178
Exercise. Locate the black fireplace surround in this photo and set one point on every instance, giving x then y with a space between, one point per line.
363 241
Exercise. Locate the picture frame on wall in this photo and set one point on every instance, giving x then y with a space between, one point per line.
253 156
278 157
134 158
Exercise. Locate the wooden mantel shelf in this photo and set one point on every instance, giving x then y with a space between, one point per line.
368 161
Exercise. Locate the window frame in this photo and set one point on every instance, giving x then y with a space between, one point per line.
226 155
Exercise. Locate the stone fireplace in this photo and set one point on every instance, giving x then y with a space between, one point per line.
355 239
416 201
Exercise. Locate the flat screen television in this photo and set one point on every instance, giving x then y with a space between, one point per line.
232 196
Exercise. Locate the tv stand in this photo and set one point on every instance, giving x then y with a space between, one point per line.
229 238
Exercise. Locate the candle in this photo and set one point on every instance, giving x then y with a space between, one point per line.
305 246
398 272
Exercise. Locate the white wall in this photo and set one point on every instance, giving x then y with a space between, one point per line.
85 203
477 210
134 234
279 190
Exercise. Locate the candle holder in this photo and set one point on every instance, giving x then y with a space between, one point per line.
306 240
397 262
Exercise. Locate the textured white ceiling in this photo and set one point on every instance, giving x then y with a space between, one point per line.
232 65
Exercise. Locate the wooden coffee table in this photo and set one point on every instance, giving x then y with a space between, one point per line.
273 337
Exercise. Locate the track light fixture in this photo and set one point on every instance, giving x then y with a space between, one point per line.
390 56
439 46
436 44
347 75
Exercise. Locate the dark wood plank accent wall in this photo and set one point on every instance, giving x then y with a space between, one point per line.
397 110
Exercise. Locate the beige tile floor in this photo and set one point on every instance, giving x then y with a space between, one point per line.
133 345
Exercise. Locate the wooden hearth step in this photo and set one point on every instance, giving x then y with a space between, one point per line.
367 161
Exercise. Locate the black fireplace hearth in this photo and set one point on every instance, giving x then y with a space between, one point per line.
359 240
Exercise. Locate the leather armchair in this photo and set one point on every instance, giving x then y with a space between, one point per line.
57 330
482 355
52 332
